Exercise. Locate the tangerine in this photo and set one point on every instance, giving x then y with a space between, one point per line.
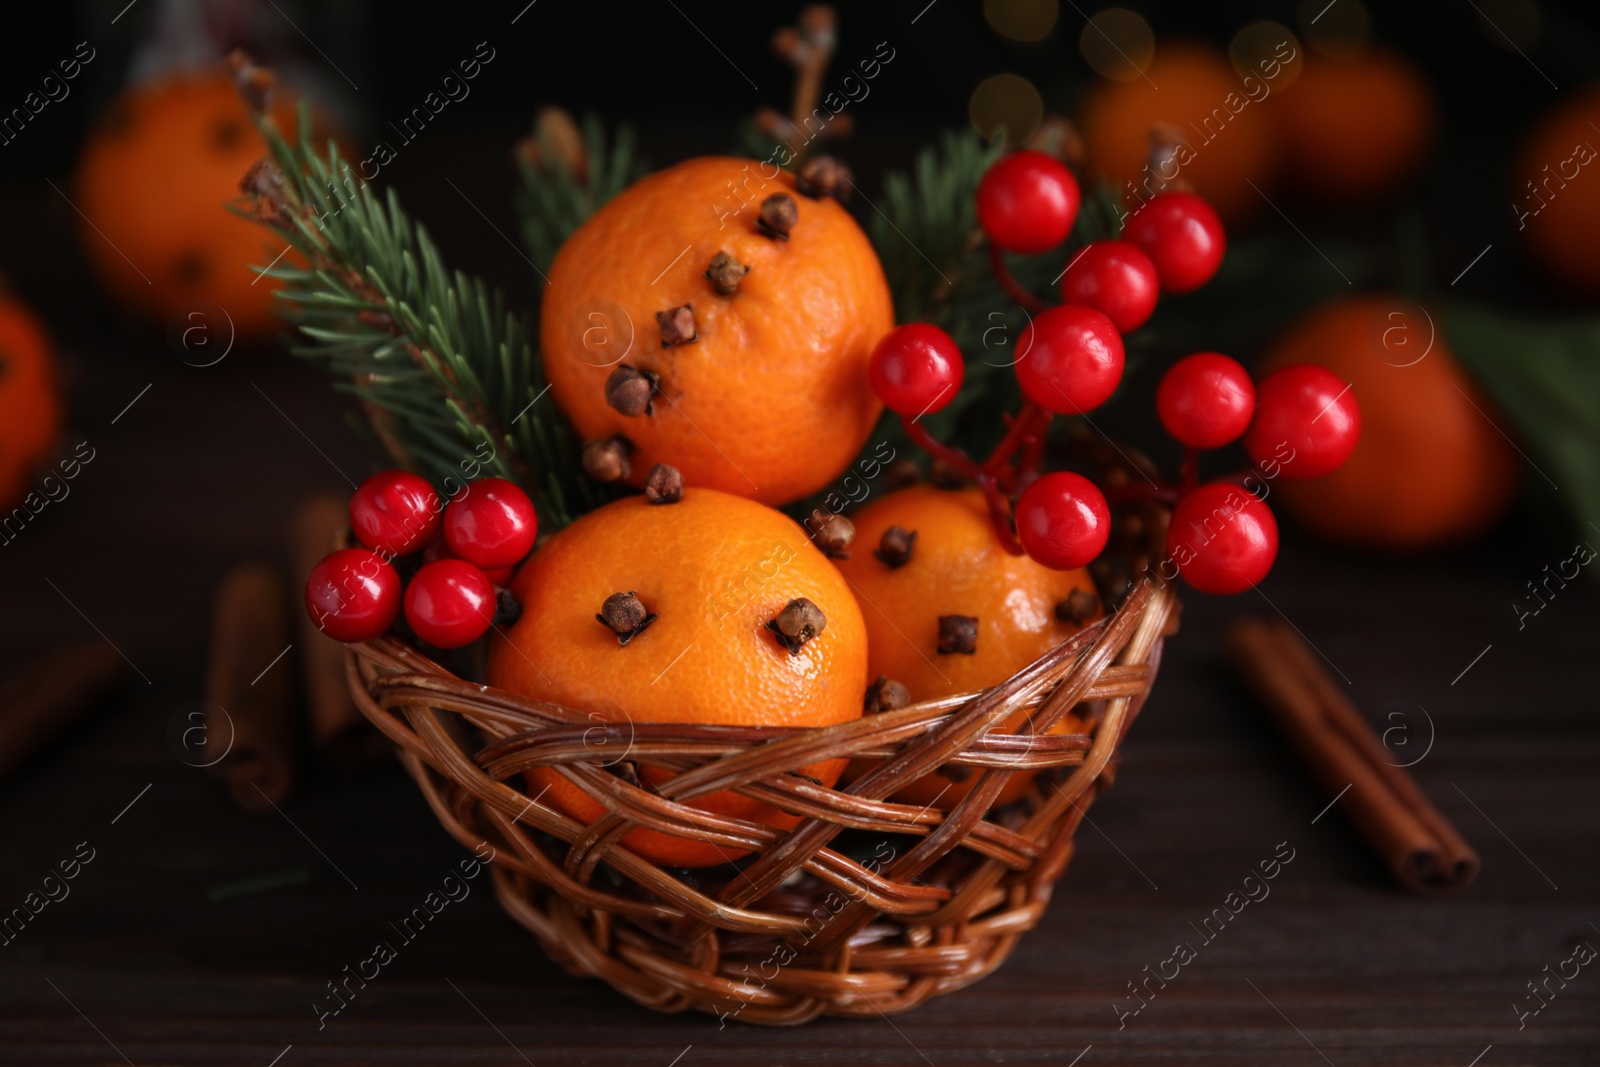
1557 198
1430 467
153 183
713 569
1352 129
30 399
749 312
955 567
1226 143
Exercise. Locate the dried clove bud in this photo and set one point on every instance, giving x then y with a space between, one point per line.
264 184
895 546
725 273
779 213
886 694
663 485
901 474
507 608
556 142
1166 141
946 476
832 533
628 390
607 461
253 82
677 326
958 634
797 623
1078 608
822 176
626 616
1057 136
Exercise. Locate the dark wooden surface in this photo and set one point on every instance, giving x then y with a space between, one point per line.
1334 965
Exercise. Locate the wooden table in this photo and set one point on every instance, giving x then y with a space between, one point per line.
141 963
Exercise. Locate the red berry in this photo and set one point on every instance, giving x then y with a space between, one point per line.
493 525
1206 400
1307 422
1027 202
916 369
449 603
1113 277
353 595
440 549
1222 538
395 512
1183 237
1063 521
1071 360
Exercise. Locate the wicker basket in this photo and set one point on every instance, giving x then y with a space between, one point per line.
867 906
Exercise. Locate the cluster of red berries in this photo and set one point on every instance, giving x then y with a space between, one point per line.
1298 422
469 546
1028 202
1301 422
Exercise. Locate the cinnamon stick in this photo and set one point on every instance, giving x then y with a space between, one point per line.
1420 847
341 736
249 707
41 701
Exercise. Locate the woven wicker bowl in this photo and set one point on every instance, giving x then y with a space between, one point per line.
867 906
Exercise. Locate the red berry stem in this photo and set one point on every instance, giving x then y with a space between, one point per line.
1014 289
1241 477
1033 452
988 481
999 513
1023 428
1189 473
1134 492
956 458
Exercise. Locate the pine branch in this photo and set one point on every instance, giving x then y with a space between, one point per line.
445 371
567 176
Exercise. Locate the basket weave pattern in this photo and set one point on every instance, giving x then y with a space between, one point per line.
920 903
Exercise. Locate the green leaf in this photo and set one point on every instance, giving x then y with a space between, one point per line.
1544 375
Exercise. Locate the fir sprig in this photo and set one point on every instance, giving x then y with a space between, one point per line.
445 370
567 176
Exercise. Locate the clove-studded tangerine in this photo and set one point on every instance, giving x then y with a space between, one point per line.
152 187
960 614
751 309
639 613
